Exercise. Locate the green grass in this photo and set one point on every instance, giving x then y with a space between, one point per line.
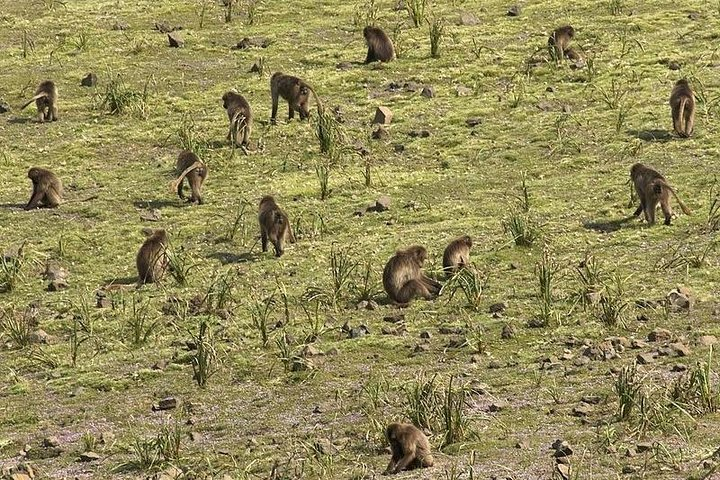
554 148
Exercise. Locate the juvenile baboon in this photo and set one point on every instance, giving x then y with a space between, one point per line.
274 225
682 104
45 99
238 111
380 47
191 167
152 259
295 91
652 188
403 278
410 448
559 43
47 189
457 255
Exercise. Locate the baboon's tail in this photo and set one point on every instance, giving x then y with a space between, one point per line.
683 207
682 124
174 184
318 102
36 97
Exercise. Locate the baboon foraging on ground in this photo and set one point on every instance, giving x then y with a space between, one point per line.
652 188
274 225
410 448
457 255
45 100
403 278
682 104
295 91
380 47
152 259
559 43
238 111
47 189
191 167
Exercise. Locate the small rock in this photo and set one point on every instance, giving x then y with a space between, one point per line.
167 403
41 337
153 215
678 367
508 332
445 330
421 347
399 147
344 66
89 80
694 16
680 349
582 410
382 203
680 299
57 285
498 307
175 40
590 399
300 364
312 351
473 122
325 447
636 344
463 91
170 473
498 406
428 92
380 134
119 25
642 447
563 471
513 11
4 106
629 469
164 27
332 351
659 335
476 358
522 444
468 19
54 271
419 133
425 335
706 340
255 42
495 364
673 65
89 457
396 318
550 89
645 358
19 476
358 332
562 448
383 116
50 442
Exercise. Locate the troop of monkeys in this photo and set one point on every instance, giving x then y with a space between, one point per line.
403 277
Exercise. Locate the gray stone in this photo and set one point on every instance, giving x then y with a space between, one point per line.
428 92
380 134
89 457
89 80
382 203
383 116
468 19
175 40
473 122
660 335
514 11
645 358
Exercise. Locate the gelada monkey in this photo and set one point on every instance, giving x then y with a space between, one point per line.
380 47
652 188
682 105
45 100
457 255
410 448
296 92
47 189
403 278
152 259
274 225
190 167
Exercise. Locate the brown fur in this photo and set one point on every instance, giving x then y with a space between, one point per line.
652 188
559 43
152 260
45 99
240 116
191 167
47 189
295 91
380 47
410 448
682 105
274 225
403 278
457 255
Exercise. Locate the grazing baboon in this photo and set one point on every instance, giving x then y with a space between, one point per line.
380 47
457 255
559 43
45 99
652 188
47 189
191 167
152 259
410 448
403 278
682 104
295 91
274 225
238 111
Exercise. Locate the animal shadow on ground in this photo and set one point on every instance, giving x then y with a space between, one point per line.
228 257
125 281
607 226
651 135
157 204
12 206
22 120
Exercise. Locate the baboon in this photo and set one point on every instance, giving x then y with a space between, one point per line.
652 188
274 225
152 259
403 278
191 167
457 255
410 448
45 99
682 104
380 47
238 111
559 43
47 189
295 91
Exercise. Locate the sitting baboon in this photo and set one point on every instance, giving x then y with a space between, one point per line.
380 47
682 105
403 278
240 116
457 255
652 188
410 448
47 189
191 167
274 225
45 99
559 43
152 259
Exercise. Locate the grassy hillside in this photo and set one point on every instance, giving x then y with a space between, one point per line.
295 388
